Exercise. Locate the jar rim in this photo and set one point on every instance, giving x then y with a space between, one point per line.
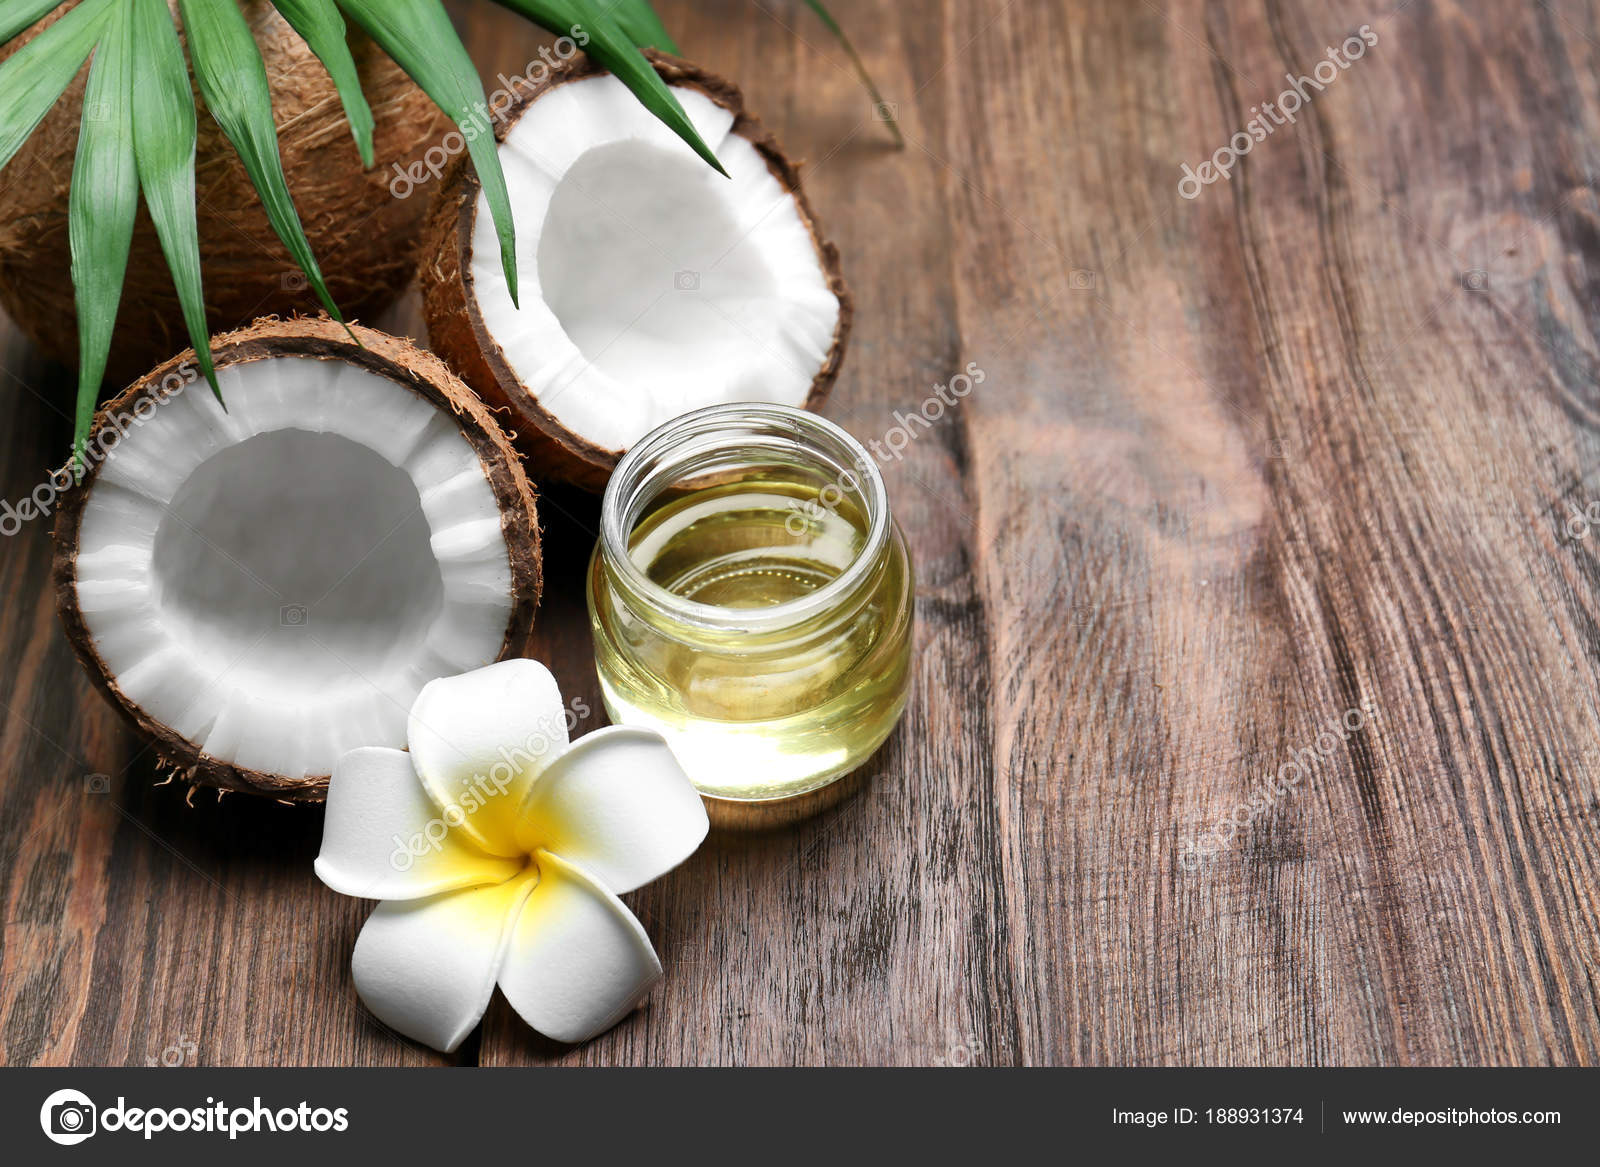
641 477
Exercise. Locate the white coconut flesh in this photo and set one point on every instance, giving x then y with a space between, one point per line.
651 285
276 583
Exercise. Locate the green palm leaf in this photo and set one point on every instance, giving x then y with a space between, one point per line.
101 206
322 28
615 49
32 80
867 83
641 24
21 14
163 149
233 81
418 35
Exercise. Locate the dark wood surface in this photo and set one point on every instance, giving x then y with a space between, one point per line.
1310 443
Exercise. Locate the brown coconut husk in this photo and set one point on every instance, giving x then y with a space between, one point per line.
410 368
364 238
455 324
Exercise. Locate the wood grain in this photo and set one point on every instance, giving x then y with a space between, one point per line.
1310 443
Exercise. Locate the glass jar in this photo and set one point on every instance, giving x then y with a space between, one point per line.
752 600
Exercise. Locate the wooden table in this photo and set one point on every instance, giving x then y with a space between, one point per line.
1314 448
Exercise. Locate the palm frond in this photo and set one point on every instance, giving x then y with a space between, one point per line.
101 207
418 35
163 149
608 44
38 73
883 108
22 14
641 24
233 81
322 28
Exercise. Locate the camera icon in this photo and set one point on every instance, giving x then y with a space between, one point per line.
886 111
97 784
1277 448
175 1055
960 1053
292 616
1083 280
686 281
294 281
72 1118
1476 280
97 111
1581 521
68 1117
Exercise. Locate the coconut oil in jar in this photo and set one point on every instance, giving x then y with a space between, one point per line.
751 599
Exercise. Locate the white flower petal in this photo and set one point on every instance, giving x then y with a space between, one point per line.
478 741
619 805
383 839
578 960
427 967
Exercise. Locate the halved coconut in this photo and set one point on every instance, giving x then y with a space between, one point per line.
650 284
263 588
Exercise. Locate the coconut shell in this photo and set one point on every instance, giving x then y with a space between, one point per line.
455 323
399 361
364 237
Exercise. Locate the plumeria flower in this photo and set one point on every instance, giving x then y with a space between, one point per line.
499 851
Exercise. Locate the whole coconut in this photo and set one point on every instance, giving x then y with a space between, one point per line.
364 237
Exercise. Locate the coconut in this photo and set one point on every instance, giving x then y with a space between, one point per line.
364 237
259 590
651 285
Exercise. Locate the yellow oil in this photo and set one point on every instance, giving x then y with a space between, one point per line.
760 711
